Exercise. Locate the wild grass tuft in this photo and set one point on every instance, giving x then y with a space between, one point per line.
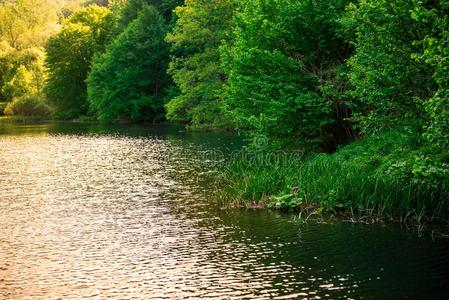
356 180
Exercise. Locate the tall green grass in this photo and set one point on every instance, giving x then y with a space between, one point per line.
360 179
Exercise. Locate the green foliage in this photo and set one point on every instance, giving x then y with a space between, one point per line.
432 163
28 77
371 177
436 55
27 23
200 29
282 57
25 26
388 84
20 83
27 105
128 80
69 55
398 79
129 10
21 72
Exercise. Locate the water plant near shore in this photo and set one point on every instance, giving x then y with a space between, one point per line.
356 180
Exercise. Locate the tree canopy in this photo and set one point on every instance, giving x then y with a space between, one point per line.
128 80
281 56
195 40
28 23
69 54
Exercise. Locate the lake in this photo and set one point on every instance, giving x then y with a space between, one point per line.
126 212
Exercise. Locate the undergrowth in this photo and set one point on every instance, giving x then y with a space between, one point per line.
373 178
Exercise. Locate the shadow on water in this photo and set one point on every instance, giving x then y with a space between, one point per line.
115 211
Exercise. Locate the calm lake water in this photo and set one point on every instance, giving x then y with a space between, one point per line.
122 212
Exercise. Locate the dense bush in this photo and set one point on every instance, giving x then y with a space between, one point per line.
388 84
370 177
282 56
27 105
436 55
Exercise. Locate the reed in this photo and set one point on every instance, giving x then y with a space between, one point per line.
354 181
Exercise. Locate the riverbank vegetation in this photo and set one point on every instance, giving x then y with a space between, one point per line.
361 87
367 179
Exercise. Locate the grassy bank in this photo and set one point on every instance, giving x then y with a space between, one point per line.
367 179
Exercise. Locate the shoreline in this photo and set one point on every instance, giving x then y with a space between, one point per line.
354 182
40 120
317 214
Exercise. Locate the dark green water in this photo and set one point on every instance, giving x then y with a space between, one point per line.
122 212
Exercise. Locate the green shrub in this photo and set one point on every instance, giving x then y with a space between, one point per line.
377 176
27 105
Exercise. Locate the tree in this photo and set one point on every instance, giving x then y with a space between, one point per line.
129 9
199 31
68 7
23 78
388 84
29 75
69 55
7 66
22 72
436 55
28 23
282 58
128 80
25 26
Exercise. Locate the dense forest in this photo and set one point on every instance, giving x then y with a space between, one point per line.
365 81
